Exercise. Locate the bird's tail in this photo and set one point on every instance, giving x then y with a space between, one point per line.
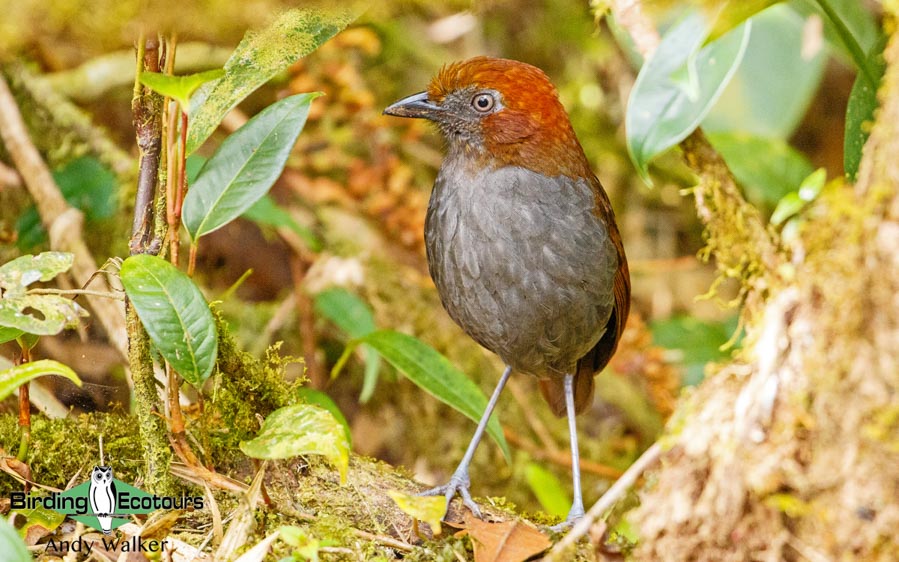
554 392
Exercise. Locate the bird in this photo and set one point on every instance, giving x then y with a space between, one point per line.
102 494
521 240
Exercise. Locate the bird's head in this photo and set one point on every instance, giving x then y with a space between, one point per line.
500 112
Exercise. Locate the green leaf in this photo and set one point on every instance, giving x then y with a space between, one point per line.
303 545
860 112
661 112
266 212
43 315
767 168
259 57
9 334
179 88
353 316
429 509
301 429
695 342
322 400
87 185
40 516
14 377
174 313
432 372
795 201
16 275
732 13
33 313
777 80
246 165
11 545
548 490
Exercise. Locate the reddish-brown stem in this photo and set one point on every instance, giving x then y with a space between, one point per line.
182 172
177 418
24 409
192 259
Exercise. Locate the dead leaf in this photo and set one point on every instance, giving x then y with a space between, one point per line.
509 541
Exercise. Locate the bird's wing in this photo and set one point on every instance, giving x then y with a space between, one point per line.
598 357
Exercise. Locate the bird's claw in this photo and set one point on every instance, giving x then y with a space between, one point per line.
575 515
458 484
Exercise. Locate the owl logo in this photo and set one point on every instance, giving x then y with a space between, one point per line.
102 496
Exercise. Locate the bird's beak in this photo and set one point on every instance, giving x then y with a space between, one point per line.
416 105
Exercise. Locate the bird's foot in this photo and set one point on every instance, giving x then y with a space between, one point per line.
459 483
574 515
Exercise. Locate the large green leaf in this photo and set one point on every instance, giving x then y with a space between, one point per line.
11 545
175 314
432 372
848 27
14 377
322 400
771 91
261 55
860 112
246 165
301 429
767 168
677 86
350 313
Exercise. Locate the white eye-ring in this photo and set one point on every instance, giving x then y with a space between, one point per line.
483 102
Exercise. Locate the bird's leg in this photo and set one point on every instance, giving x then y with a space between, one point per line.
577 505
460 481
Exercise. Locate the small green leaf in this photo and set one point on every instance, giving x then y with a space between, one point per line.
17 274
353 316
174 313
246 165
549 491
266 212
734 12
322 400
860 112
301 429
11 545
767 168
661 112
259 57
432 372
14 377
795 201
303 545
429 509
9 334
40 516
179 88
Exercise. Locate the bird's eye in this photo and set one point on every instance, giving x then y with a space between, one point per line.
483 102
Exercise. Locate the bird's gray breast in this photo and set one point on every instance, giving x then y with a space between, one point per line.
521 263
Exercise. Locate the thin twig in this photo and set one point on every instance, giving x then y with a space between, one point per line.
612 495
101 294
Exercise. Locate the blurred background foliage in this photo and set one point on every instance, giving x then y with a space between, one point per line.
351 205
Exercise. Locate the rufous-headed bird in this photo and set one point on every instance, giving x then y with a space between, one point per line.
521 239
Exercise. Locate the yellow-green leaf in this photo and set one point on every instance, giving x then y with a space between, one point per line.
14 377
429 509
301 429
